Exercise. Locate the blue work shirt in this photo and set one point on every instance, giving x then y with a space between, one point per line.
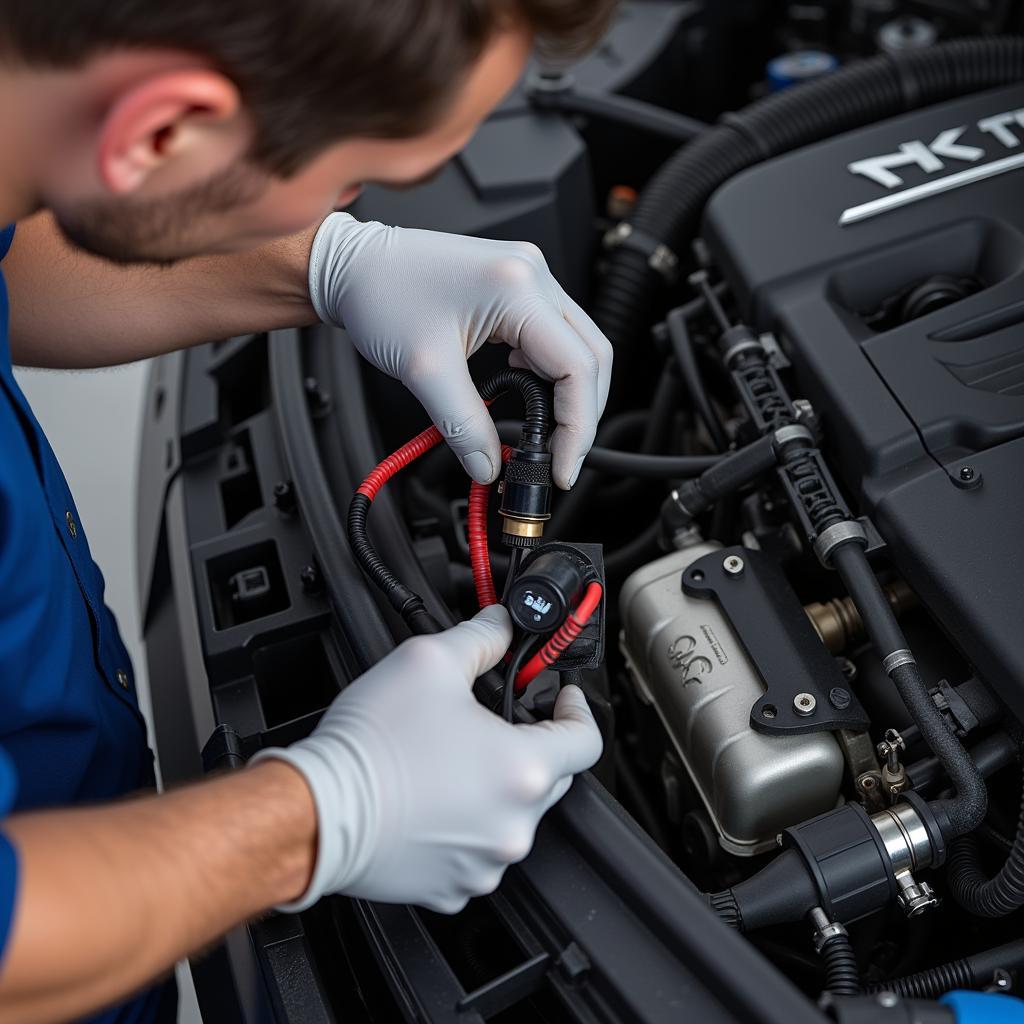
70 727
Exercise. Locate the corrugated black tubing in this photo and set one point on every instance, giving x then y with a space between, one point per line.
670 207
968 972
974 890
842 978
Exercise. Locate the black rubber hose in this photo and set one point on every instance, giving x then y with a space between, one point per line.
637 464
622 110
966 811
967 972
842 977
652 467
974 890
668 210
682 348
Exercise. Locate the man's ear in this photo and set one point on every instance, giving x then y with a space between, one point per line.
189 120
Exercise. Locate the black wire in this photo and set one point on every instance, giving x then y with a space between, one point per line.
682 348
513 571
509 689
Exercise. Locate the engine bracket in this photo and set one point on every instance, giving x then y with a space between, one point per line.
805 691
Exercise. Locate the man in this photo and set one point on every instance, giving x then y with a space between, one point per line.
162 130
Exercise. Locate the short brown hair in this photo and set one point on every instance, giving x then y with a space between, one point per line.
310 71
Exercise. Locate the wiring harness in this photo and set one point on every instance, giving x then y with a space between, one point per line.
525 507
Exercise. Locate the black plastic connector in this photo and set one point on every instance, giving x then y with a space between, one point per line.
543 595
587 650
526 495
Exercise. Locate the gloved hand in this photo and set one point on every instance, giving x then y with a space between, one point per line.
418 304
422 794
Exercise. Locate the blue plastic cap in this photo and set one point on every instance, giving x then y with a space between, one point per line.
984 1008
801 66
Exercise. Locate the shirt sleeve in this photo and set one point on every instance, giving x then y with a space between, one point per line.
8 854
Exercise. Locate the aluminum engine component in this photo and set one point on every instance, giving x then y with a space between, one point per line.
688 663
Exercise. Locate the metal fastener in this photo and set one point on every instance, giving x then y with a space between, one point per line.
967 473
310 579
733 565
72 525
839 698
284 496
804 704
122 679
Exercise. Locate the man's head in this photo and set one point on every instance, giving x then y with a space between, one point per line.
165 128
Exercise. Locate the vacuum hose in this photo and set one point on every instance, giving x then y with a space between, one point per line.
668 212
974 890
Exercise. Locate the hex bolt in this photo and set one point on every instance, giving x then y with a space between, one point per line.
967 473
733 565
804 704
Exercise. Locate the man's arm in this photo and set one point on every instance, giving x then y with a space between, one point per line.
111 897
73 310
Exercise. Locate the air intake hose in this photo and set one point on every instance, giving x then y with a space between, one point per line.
669 208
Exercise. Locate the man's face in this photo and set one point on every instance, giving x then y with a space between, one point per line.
240 206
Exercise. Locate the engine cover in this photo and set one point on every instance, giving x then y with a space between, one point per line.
848 250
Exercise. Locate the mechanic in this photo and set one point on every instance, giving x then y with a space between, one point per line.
170 166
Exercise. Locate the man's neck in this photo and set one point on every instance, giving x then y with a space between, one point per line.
21 145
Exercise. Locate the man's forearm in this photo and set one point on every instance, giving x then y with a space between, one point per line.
109 898
73 310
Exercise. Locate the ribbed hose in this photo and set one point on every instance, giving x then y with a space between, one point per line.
974 890
972 971
932 983
535 394
670 206
966 811
842 977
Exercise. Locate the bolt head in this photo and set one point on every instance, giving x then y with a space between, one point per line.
967 473
733 565
804 704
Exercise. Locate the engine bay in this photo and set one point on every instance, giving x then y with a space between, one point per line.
844 349
794 555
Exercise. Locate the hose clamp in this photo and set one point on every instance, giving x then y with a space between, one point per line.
660 258
824 929
790 434
839 533
893 661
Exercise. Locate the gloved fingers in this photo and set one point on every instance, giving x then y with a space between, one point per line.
558 790
585 327
446 390
555 351
479 643
446 904
571 742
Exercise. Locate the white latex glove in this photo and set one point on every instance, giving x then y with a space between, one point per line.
422 794
418 304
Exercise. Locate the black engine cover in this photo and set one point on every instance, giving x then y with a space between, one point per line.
924 411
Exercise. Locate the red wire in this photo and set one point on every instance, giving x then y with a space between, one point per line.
566 633
476 529
398 460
